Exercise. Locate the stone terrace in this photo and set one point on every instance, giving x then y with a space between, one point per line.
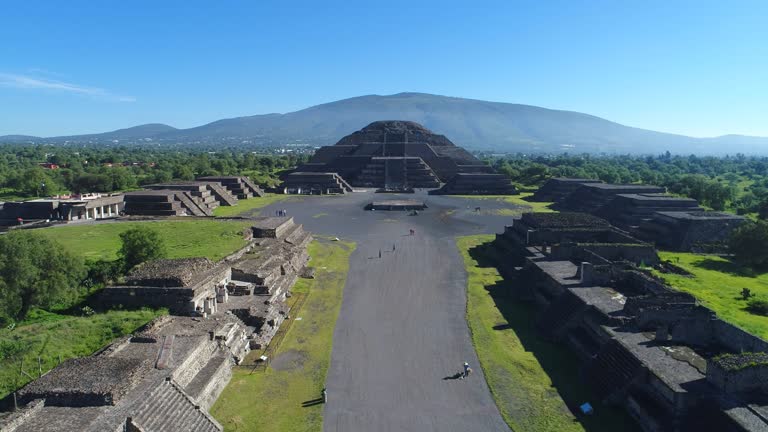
591 197
689 231
642 344
558 188
629 211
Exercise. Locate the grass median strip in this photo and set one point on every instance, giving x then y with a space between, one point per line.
277 399
535 383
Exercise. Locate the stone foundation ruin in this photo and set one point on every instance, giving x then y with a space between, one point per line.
644 211
669 361
168 374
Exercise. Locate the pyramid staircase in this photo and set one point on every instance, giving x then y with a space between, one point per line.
206 386
240 186
397 172
612 370
169 408
564 308
222 194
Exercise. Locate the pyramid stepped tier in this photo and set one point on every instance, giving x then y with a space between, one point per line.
397 173
315 183
557 189
153 203
689 231
477 184
628 211
197 197
240 186
591 197
395 154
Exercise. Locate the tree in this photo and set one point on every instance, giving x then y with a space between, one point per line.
36 272
748 244
140 245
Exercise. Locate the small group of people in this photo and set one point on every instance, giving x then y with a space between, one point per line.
282 212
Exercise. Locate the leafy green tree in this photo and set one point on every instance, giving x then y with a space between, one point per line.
748 245
36 272
139 245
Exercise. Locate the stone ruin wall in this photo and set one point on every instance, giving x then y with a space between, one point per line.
746 380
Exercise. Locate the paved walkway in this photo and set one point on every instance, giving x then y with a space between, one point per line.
401 333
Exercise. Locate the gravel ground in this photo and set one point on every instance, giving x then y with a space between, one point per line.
402 334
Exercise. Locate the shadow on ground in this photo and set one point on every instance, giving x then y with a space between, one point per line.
560 364
727 266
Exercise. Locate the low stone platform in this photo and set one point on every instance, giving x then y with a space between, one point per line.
397 205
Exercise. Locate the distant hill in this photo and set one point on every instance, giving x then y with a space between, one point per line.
473 124
17 138
132 133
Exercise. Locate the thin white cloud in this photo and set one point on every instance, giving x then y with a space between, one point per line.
34 83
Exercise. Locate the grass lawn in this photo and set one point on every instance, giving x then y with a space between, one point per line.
717 282
249 204
534 382
518 200
51 335
183 238
271 400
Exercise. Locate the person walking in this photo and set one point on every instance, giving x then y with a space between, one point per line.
379 253
466 369
393 247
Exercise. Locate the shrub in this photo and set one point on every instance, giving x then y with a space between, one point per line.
758 306
140 245
746 293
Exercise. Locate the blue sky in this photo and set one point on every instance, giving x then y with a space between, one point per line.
693 67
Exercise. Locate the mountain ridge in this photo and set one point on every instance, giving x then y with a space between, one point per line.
471 123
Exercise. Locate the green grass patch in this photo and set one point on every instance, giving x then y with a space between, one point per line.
534 382
517 200
717 283
52 336
271 400
213 239
248 205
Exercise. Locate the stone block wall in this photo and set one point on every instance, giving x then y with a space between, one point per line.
742 380
736 339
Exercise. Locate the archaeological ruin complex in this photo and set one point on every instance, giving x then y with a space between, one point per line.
166 376
668 360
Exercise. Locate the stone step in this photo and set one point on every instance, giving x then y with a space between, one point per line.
559 312
612 370
222 194
295 234
167 408
189 203
197 388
